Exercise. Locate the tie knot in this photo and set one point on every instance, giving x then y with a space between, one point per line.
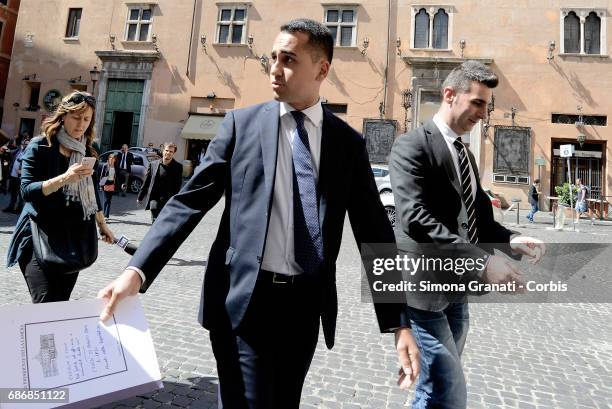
299 117
458 143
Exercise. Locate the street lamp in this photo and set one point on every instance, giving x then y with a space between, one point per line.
406 104
95 77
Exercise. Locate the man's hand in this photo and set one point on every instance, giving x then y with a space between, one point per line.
530 247
501 270
408 355
126 284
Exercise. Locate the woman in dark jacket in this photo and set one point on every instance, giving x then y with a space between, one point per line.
58 190
107 183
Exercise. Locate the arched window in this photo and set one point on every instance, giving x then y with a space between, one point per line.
440 30
592 32
571 28
421 29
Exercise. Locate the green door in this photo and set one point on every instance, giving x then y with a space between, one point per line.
123 100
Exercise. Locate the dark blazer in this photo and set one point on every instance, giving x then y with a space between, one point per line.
240 163
39 162
176 177
128 161
533 195
429 205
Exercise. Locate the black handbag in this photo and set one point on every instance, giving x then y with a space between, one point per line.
63 248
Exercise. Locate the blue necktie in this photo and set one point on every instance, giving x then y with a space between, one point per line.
306 228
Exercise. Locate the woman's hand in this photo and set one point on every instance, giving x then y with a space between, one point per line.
77 172
105 233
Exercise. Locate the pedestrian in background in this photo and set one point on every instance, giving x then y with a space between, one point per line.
107 184
581 203
123 166
162 181
60 196
16 203
534 199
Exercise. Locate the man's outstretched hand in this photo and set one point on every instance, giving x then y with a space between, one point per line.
128 283
408 355
531 247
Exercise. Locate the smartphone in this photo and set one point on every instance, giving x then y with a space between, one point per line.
88 161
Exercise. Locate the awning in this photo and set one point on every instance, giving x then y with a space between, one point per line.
201 127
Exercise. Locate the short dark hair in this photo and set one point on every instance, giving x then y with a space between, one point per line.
536 181
171 145
319 36
462 76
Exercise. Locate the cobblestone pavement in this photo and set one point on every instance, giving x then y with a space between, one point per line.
517 355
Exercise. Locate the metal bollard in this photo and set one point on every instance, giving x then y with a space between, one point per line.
518 209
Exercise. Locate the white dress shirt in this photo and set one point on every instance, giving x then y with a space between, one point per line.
279 254
450 137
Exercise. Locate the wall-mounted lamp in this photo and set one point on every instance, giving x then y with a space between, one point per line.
264 61
490 108
462 46
406 104
250 41
111 38
580 125
365 44
398 46
551 48
203 41
154 41
211 95
95 77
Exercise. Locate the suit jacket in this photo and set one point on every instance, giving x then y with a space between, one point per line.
40 162
128 161
175 176
533 195
430 208
240 164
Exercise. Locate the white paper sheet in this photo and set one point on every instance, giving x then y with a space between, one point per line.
64 345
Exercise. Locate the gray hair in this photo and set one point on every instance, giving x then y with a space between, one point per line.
462 76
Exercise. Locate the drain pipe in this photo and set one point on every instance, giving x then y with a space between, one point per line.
383 112
191 37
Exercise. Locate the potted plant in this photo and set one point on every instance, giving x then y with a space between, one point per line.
563 193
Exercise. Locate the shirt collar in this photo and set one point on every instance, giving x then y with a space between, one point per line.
313 113
449 135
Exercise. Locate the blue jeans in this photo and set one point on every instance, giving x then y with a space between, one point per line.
440 337
533 211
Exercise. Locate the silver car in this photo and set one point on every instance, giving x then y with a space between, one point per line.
381 176
137 174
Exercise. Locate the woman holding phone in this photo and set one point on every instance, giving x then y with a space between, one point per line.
58 185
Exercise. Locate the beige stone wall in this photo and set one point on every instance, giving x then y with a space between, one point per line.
514 34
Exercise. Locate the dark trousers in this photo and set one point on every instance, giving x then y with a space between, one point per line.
108 198
46 286
13 186
123 177
263 363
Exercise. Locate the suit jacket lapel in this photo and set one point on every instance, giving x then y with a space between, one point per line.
442 154
268 136
326 164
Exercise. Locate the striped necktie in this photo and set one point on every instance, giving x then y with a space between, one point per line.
466 188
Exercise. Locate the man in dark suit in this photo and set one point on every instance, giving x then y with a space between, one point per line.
123 167
290 171
162 181
439 200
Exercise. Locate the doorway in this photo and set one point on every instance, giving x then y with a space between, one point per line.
122 129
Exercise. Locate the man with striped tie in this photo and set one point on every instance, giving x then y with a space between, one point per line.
439 200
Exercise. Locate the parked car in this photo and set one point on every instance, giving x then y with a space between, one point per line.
139 168
151 153
381 176
389 204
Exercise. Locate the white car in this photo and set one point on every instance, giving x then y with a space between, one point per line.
381 176
389 203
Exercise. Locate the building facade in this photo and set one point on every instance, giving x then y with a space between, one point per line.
170 69
8 19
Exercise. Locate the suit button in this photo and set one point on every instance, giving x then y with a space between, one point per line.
464 225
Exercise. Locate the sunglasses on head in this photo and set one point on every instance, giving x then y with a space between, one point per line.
78 98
